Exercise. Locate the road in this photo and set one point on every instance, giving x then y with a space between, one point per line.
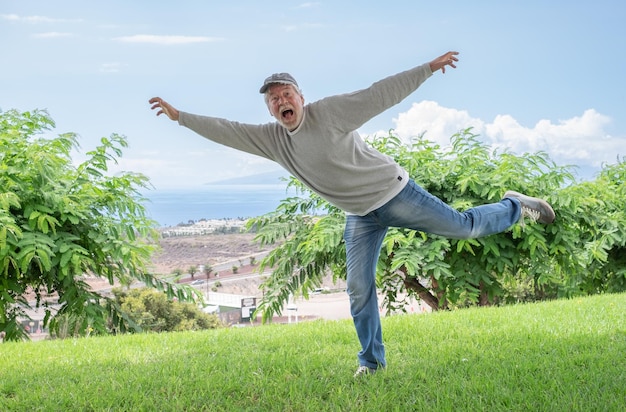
330 306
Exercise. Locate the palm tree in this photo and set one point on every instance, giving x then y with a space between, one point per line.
208 270
192 271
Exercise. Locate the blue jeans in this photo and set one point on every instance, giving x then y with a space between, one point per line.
413 208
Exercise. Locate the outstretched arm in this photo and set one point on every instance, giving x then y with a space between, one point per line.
448 59
164 107
350 111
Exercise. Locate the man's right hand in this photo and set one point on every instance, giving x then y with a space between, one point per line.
164 107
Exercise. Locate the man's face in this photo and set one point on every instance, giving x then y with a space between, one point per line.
286 105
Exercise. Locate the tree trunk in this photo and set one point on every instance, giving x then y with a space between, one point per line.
484 298
421 290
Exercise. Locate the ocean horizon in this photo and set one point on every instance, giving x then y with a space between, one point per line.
171 207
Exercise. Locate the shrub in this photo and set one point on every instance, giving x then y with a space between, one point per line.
581 253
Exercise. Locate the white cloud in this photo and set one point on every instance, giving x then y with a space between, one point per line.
308 5
166 40
304 26
581 140
111 67
439 123
12 17
52 35
35 19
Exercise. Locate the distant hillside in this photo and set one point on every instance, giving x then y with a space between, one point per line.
274 178
269 178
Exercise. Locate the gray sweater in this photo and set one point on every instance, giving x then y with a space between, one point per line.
325 152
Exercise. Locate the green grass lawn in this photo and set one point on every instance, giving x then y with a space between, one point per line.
567 355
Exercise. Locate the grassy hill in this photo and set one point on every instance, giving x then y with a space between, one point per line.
566 355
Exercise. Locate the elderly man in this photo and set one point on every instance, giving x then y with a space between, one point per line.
318 144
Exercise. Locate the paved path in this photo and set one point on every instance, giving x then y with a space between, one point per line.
335 306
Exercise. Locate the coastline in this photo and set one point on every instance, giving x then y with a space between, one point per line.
172 207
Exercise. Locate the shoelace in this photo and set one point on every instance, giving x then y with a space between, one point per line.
531 213
364 370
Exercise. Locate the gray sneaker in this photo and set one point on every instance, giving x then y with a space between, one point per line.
538 210
364 370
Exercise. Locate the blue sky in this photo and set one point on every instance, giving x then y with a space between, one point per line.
533 75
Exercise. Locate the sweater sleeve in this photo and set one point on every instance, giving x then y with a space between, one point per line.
254 139
350 111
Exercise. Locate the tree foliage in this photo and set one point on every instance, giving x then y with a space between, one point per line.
59 222
583 252
152 311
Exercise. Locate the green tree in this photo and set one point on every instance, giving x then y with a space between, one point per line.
60 222
193 269
208 269
595 219
527 262
152 311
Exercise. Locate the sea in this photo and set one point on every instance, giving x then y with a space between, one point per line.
172 207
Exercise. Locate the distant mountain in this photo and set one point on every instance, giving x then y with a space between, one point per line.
269 178
274 178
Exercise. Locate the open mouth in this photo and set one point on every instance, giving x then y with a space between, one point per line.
287 114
